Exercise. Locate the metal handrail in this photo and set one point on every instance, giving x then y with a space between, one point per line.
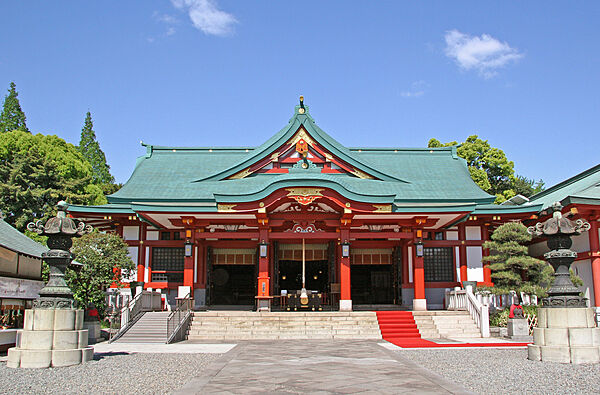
179 319
135 309
130 313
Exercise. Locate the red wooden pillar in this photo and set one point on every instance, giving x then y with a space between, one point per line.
263 292
419 300
462 252
345 280
405 276
188 266
487 273
595 250
141 267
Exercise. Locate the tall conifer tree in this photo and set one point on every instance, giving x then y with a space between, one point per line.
90 149
512 267
12 117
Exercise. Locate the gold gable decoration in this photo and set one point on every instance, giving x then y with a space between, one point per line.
383 208
226 208
301 135
242 174
361 174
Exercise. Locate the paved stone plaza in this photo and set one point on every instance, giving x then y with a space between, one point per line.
302 367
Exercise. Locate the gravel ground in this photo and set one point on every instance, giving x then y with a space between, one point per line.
501 371
108 374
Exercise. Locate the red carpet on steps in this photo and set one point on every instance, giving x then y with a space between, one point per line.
399 328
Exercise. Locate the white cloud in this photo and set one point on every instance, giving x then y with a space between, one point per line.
207 17
165 18
485 53
417 89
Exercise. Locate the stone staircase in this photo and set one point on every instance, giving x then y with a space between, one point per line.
150 328
445 324
243 325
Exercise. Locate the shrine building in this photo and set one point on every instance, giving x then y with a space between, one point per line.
357 226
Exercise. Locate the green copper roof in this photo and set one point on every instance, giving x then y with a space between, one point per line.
16 241
583 188
199 175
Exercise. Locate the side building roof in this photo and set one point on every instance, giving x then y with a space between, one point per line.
14 240
583 188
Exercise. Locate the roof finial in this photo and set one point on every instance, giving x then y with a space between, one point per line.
301 101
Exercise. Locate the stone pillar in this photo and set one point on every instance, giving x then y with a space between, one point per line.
566 331
566 335
51 338
53 334
345 280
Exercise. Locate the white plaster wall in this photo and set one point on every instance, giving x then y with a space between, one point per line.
131 232
452 235
474 265
457 261
133 253
584 270
581 243
146 263
152 235
473 232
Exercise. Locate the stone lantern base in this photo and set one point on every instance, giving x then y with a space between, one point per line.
51 338
566 335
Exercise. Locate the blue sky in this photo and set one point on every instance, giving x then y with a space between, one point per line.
523 75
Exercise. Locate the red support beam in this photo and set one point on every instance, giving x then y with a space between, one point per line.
345 280
405 276
595 251
141 254
419 277
188 265
462 252
226 235
263 292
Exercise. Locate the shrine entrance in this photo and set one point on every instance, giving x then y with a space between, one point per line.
231 276
290 276
303 266
375 276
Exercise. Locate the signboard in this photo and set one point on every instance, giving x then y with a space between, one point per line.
20 288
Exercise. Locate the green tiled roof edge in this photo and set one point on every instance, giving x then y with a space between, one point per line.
14 240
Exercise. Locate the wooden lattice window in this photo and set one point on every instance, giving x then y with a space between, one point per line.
439 264
371 256
168 258
234 256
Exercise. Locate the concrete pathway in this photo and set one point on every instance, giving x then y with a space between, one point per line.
316 367
159 348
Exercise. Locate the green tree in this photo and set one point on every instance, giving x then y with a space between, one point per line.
89 147
527 187
12 117
37 171
105 261
511 266
490 169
